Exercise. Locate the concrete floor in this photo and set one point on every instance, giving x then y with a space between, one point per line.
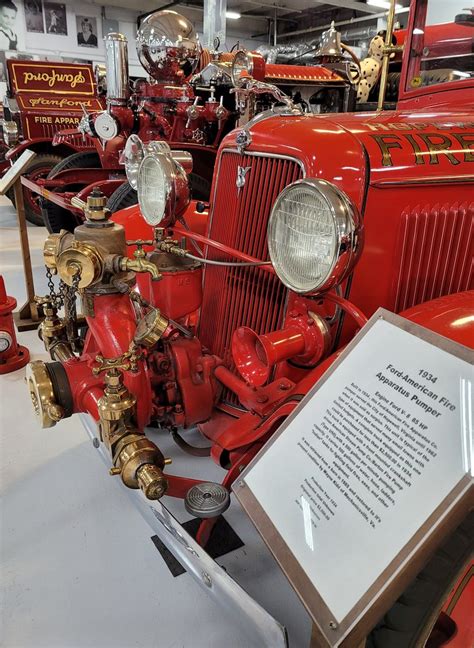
78 568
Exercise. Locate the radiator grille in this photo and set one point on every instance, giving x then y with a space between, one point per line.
436 258
236 297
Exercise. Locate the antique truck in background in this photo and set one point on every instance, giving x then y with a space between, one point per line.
224 318
44 98
187 101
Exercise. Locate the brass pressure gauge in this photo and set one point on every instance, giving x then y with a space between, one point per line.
150 328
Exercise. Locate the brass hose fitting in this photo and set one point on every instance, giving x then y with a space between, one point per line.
116 406
140 464
95 207
42 394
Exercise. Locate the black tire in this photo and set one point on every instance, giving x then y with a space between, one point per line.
122 197
200 187
55 217
411 619
39 168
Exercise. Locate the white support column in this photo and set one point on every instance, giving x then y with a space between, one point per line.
214 22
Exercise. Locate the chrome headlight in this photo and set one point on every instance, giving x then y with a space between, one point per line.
10 133
163 190
133 155
242 63
314 236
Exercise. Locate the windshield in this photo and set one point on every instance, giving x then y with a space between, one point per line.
442 44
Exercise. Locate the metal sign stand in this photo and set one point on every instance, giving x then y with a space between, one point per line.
28 317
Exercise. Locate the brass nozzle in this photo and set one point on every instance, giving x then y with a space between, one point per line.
139 264
152 482
140 463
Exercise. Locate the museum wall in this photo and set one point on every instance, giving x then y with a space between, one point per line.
52 31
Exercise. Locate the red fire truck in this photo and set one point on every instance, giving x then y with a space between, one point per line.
45 98
224 318
190 112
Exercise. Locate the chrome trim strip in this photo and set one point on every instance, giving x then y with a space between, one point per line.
252 619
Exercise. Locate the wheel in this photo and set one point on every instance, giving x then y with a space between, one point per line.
123 196
200 187
39 168
410 621
55 217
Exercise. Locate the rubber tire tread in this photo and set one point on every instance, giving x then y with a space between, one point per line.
38 161
55 217
403 625
123 196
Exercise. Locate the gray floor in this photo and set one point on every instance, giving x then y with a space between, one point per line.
78 567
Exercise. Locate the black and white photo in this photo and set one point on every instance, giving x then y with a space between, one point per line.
86 31
55 18
8 26
34 18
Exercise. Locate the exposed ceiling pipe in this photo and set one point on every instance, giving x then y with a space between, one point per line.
349 21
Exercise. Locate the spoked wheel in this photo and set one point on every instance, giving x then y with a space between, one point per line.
414 619
57 218
38 169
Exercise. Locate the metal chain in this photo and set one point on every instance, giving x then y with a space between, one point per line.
57 298
70 311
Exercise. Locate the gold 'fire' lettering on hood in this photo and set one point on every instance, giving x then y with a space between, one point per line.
427 147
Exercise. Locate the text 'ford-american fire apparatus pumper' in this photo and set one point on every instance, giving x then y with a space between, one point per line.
44 98
224 319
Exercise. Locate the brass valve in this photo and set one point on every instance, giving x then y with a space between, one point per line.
171 246
128 361
140 263
116 407
95 207
53 328
136 459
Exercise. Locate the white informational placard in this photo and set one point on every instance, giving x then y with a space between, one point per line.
16 170
365 461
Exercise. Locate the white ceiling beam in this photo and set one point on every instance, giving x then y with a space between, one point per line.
349 4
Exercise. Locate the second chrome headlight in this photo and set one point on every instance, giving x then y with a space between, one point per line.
163 191
314 236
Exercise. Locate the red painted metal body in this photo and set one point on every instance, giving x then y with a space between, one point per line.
45 98
13 356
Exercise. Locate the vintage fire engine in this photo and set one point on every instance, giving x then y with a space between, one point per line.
191 112
224 318
44 98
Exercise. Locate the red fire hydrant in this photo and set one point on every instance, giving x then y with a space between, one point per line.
12 355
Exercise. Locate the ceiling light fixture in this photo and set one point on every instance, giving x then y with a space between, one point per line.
383 4
232 15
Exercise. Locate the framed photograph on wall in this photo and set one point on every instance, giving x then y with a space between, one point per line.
9 26
34 18
86 31
55 18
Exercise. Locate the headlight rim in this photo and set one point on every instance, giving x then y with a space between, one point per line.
249 68
138 141
348 234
